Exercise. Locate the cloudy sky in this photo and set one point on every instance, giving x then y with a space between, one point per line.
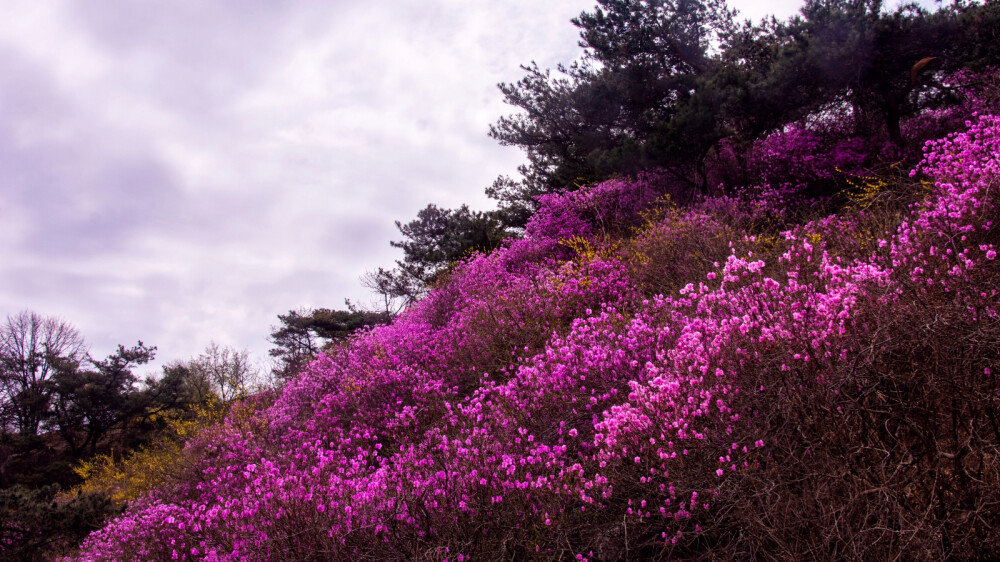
183 171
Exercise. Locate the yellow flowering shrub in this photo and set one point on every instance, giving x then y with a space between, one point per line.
862 190
124 477
672 249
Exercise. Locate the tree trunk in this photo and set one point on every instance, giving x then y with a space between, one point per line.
892 123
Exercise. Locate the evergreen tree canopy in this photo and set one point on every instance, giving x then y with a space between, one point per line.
303 334
662 83
88 403
621 108
432 242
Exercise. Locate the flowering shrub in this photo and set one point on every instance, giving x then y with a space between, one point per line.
693 390
797 155
609 207
134 475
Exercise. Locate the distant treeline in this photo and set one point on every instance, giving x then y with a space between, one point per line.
60 407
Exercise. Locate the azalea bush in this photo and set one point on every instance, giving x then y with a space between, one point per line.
742 377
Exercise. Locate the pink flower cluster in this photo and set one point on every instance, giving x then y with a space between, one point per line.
540 399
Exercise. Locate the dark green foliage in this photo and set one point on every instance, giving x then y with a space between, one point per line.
439 237
304 333
432 242
88 403
623 108
35 524
620 109
978 44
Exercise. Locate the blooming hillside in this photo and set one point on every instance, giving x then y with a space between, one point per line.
634 379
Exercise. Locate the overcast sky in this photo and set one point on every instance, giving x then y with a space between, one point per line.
181 171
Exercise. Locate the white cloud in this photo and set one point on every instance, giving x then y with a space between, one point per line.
184 171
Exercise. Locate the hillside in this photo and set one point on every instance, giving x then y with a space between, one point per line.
753 375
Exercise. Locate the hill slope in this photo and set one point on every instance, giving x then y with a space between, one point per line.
634 379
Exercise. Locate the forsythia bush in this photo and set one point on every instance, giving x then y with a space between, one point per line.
134 475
